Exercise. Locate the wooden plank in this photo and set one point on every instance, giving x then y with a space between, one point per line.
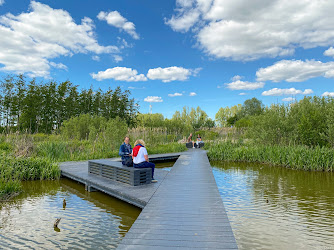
186 211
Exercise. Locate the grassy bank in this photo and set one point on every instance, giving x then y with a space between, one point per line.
14 170
32 157
292 156
172 147
75 150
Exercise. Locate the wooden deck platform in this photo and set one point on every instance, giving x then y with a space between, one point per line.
184 210
135 195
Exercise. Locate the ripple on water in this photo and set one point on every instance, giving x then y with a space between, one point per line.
90 220
277 208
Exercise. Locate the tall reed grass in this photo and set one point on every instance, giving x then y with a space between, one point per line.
172 147
292 156
13 170
31 157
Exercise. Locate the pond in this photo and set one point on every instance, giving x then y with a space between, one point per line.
89 220
277 208
165 165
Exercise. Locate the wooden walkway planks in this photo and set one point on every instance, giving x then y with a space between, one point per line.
185 212
135 195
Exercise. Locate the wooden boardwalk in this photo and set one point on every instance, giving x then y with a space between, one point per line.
185 212
135 195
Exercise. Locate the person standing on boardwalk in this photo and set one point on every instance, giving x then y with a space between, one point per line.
140 157
125 151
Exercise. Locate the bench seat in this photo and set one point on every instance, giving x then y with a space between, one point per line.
117 172
190 145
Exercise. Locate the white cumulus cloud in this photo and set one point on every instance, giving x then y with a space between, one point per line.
58 65
329 52
2 2
118 58
248 30
183 24
175 94
295 71
236 78
328 94
119 74
290 91
288 99
192 94
96 58
29 40
171 74
131 87
114 18
243 85
153 99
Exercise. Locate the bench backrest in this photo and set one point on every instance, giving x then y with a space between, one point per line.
116 171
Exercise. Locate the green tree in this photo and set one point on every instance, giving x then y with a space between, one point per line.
18 99
151 120
8 93
251 107
31 111
224 114
209 123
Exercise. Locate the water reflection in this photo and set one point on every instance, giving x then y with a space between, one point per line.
90 220
165 165
277 208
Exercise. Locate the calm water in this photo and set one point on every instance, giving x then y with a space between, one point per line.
277 208
90 220
165 165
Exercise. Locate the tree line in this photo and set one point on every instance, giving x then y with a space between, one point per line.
309 121
184 121
37 107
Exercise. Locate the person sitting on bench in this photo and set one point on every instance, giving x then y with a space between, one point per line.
189 140
198 141
140 157
125 152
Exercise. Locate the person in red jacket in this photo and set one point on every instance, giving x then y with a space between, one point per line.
140 157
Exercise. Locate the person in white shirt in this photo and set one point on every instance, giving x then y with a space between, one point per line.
140 157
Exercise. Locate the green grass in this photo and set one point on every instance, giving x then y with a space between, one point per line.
8 188
74 150
292 156
32 157
13 170
172 147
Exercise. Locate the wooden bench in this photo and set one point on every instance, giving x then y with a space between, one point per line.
117 172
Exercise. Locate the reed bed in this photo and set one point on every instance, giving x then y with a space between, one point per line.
13 170
154 136
33 157
291 156
172 147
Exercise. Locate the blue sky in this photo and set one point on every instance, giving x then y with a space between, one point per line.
175 53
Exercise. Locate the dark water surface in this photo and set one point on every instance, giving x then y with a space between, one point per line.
165 165
90 220
277 208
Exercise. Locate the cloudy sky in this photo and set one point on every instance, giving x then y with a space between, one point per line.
172 53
